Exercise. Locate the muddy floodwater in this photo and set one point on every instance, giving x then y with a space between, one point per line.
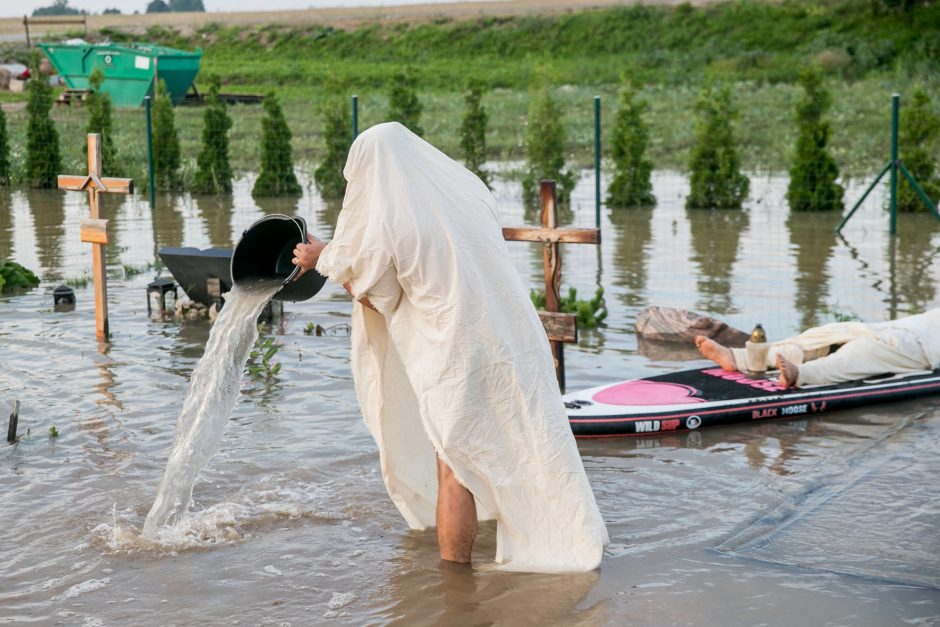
828 520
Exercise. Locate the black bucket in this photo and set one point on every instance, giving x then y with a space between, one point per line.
265 250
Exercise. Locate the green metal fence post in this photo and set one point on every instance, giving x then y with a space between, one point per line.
597 161
895 107
355 120
147 101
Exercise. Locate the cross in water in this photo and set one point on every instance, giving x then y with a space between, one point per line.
93 229
560 327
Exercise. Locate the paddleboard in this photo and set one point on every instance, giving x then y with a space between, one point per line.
705 397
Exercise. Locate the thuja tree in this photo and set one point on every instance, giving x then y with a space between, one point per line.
4 150
43 160
917 135
403 103
166 144
213 170
715 179
814 172
631 186
276 177
473 131
545 145
98 105
337 133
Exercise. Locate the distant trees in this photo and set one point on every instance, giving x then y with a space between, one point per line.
473 131
403 103
337 135
213 171
631 185
545 144
813 172
43 159
158 6
276 177
187 6
166 143
715 179
58 7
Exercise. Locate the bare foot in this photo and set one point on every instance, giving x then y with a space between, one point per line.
710 349
788 372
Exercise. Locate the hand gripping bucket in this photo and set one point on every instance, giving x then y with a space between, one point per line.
265 250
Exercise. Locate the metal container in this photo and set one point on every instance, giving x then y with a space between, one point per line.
266 249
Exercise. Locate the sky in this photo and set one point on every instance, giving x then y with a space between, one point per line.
17 8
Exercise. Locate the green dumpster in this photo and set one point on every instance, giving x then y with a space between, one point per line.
129 69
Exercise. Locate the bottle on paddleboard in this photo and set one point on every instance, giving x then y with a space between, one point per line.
757 348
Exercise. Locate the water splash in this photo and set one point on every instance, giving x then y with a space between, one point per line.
213 390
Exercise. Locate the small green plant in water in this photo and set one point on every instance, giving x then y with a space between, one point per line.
13 276
473 132
310 328
403 103
53 432
590 313
276 177
715 179
631 185
920 127
259 364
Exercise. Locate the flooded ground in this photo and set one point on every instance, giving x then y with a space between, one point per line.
825 521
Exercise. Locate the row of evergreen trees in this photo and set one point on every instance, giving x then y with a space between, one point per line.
716 180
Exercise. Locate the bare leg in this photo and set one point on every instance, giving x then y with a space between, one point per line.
710 349
456 517
788 372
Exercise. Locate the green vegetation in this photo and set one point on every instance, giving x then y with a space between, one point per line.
42 140
259 364
214 173
53 432
473 131
545 145
276 177
403 103
98 104
4 150
814 172
58 7
631 185
715 178
590 313
917 136
166 144
13 277
337 135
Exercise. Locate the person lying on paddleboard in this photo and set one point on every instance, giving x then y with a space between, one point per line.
451 364
910 344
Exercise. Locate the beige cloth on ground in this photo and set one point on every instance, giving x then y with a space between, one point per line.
909 344
458 363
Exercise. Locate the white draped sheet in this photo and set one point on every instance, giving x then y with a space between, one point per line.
457 363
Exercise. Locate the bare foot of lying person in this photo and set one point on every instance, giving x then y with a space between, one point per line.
788 372
721 355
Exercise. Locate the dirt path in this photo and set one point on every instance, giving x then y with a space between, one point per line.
339 17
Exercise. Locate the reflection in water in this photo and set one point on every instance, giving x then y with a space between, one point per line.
715 239
814 237
285 206
328 215
216 212
167 221
48 209
633 236
6 224
452 594
915 255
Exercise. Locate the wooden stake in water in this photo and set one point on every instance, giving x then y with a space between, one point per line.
95 230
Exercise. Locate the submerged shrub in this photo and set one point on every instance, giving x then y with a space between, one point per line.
13 276
98 105
631 186
403 103
337 133
916 137
213 170
473 131
276 177
716 181
166 143
545 145
814 172
43 160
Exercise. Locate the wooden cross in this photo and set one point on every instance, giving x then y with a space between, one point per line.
560 327
95 230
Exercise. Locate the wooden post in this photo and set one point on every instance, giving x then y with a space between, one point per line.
14 420
95 230
560 327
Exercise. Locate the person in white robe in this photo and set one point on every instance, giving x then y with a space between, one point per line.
452 366
906 345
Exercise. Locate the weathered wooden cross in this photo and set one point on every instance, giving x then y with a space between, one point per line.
93 229
560 327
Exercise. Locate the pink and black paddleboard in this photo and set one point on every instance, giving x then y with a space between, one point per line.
705 397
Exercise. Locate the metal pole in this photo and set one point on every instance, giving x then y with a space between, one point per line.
895 107
597 161
355 124
147 100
